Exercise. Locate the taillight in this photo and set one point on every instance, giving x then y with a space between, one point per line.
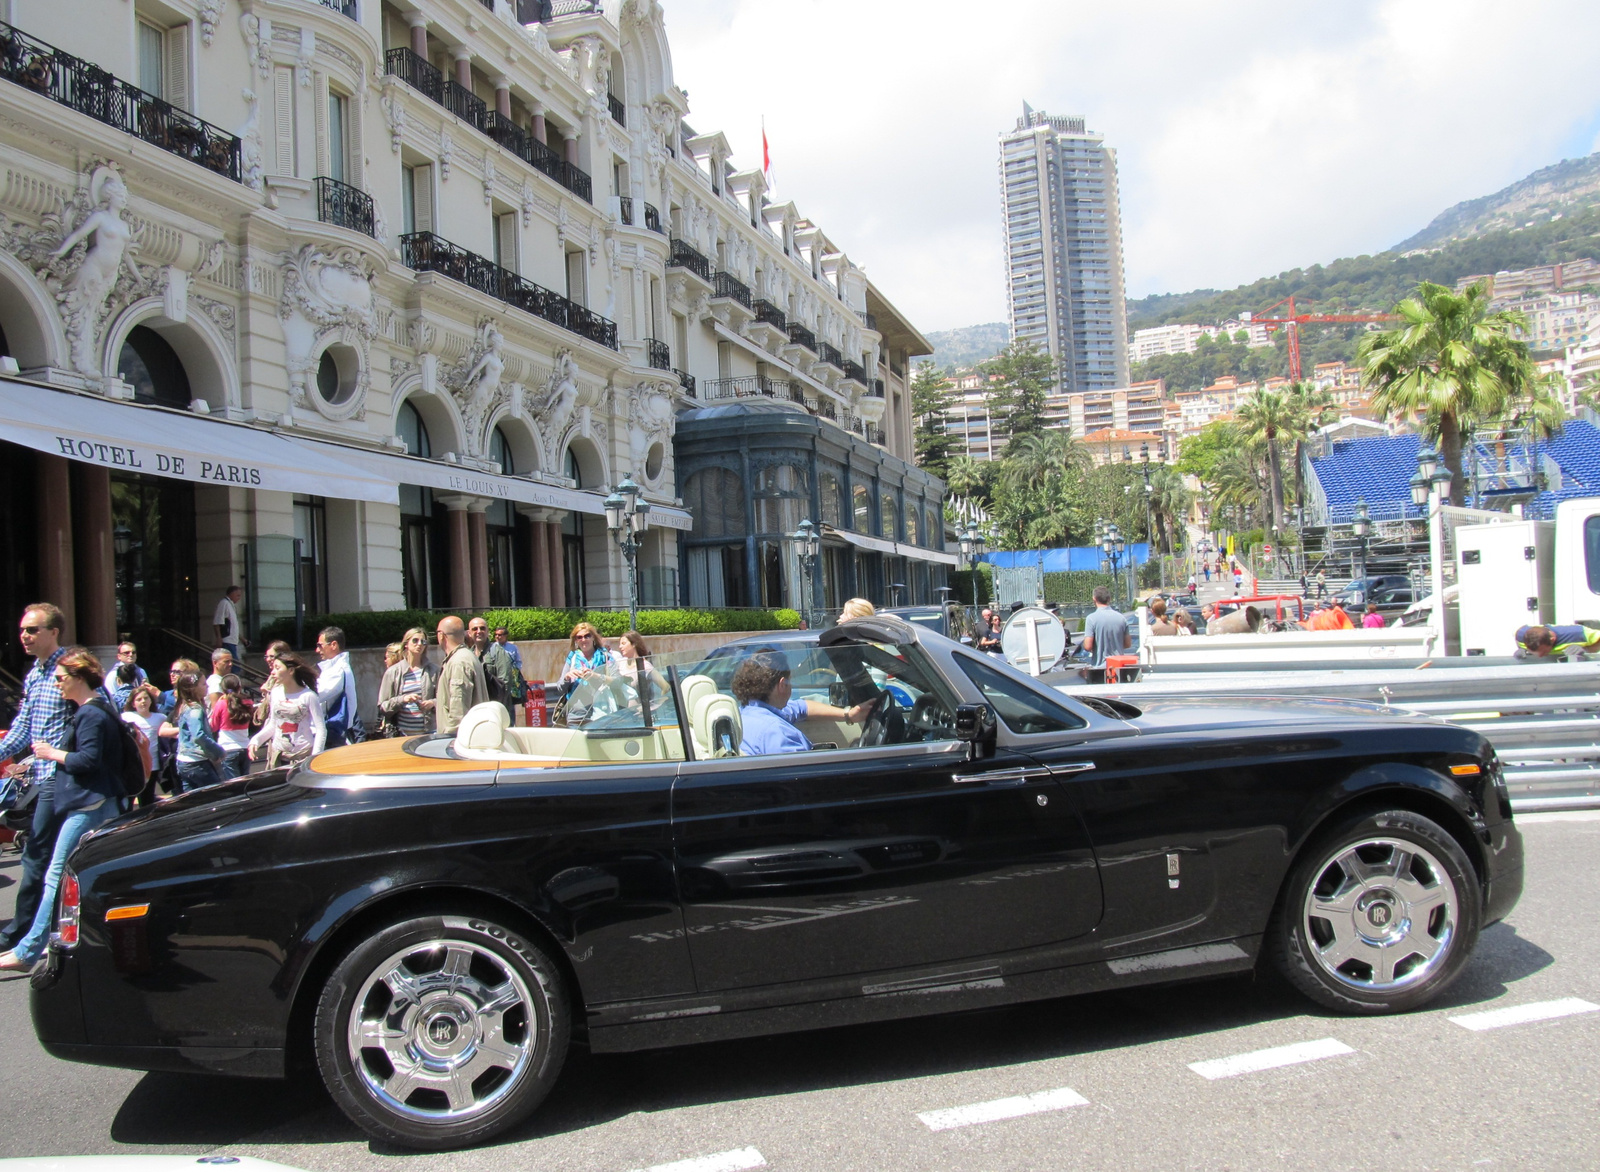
67 916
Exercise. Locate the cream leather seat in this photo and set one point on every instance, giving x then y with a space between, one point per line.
694 687
483 730
716 726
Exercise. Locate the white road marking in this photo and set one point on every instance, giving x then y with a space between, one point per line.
1011 1108
735 1161
1268 1059
1559 816
1493 1019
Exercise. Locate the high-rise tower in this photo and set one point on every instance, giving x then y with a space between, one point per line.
1058 187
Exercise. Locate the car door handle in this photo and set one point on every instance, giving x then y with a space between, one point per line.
1019 776
1072 767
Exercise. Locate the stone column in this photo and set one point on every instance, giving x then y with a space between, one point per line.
419 35
540 130
464 69
502 97
558 575
572 146
541 556
478 539
54 506
94 560
460 551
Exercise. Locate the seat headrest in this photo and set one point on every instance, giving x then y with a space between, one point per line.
711 713
693 687
484 726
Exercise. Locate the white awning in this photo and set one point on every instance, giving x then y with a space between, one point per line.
894 548
179 445
444 477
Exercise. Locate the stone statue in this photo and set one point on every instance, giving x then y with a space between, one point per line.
83 294
479 384
250 150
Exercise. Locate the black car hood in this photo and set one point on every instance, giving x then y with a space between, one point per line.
1161 713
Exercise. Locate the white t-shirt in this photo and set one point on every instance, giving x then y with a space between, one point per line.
227 618
214 684
150 726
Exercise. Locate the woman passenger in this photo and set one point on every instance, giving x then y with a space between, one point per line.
588 658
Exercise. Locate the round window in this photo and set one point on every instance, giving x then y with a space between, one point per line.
653 460
337 373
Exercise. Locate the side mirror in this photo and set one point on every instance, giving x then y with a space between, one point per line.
975 724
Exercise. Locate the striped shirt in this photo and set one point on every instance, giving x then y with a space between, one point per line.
410 718
44 716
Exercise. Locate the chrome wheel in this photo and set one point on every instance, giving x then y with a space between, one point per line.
442 1031
1380 915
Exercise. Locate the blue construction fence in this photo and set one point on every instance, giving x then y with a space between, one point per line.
1078 557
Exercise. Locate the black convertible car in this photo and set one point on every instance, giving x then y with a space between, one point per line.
431 922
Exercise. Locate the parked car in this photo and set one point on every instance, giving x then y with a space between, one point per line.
429 922
1381 588
950 619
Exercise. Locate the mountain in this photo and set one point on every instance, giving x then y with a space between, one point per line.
968 345
1548 194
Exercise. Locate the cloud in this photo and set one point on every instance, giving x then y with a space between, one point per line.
1249 138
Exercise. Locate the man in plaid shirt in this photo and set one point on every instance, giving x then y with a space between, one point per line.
42 717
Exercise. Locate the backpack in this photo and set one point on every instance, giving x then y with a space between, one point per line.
135 765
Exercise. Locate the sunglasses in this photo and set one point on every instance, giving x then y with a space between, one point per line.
30 630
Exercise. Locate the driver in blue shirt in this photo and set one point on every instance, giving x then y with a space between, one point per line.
768 713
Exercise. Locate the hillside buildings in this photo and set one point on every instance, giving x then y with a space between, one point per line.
367 304
1063 237
1155 341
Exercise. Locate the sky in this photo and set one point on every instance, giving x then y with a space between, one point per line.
1251 137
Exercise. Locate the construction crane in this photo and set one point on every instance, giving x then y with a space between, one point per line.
1294 320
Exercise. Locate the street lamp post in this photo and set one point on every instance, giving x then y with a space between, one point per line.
1428 488
1361 526
627 519
807 546
1149 493
973 547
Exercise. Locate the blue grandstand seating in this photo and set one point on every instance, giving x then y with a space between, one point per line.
1378 470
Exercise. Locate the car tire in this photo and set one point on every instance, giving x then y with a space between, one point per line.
440 1031
1378 915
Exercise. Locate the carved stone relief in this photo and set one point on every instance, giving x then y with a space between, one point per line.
477 383
327 297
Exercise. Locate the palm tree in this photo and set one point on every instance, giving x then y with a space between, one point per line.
1034 475
1314 405
1170 500
1269 418
1457 366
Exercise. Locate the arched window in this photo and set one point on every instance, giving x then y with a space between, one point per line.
153 369
912 528
832 501
715 499
861 509
887 518
500 452
782 494
933 535
570 469
408 426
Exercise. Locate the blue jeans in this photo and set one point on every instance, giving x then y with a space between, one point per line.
194 774
73 827
35 861
235 764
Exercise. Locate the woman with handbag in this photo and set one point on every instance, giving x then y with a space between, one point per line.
295 728
198 751
88 787
406 695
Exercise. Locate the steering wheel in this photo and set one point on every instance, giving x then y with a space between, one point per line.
875 729
928 714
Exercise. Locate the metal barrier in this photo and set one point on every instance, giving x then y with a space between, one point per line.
1542 718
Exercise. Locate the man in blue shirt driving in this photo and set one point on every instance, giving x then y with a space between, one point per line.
768 713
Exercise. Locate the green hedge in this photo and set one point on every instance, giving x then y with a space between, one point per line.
1077 586
378 628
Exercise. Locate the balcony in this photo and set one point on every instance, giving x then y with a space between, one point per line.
686 381
830 355
686 256
877 387
619 112
625 203
344 8
465 104
544 11
427 253
800 336
753 386
729 286
420 75
769 314
538 155
90 90
855 372
658 354
344 206
652 219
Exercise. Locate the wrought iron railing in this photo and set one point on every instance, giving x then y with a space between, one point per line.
870 319
544 11
686 256
874 434
686 380
489 4
619 112
627 208
800 336
343 7
345 206
465 104
877 387
826 409
425 252
769 314
855 372
652 219
732 388
88 89
420 75
540 156
730 286
830 354
658 354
